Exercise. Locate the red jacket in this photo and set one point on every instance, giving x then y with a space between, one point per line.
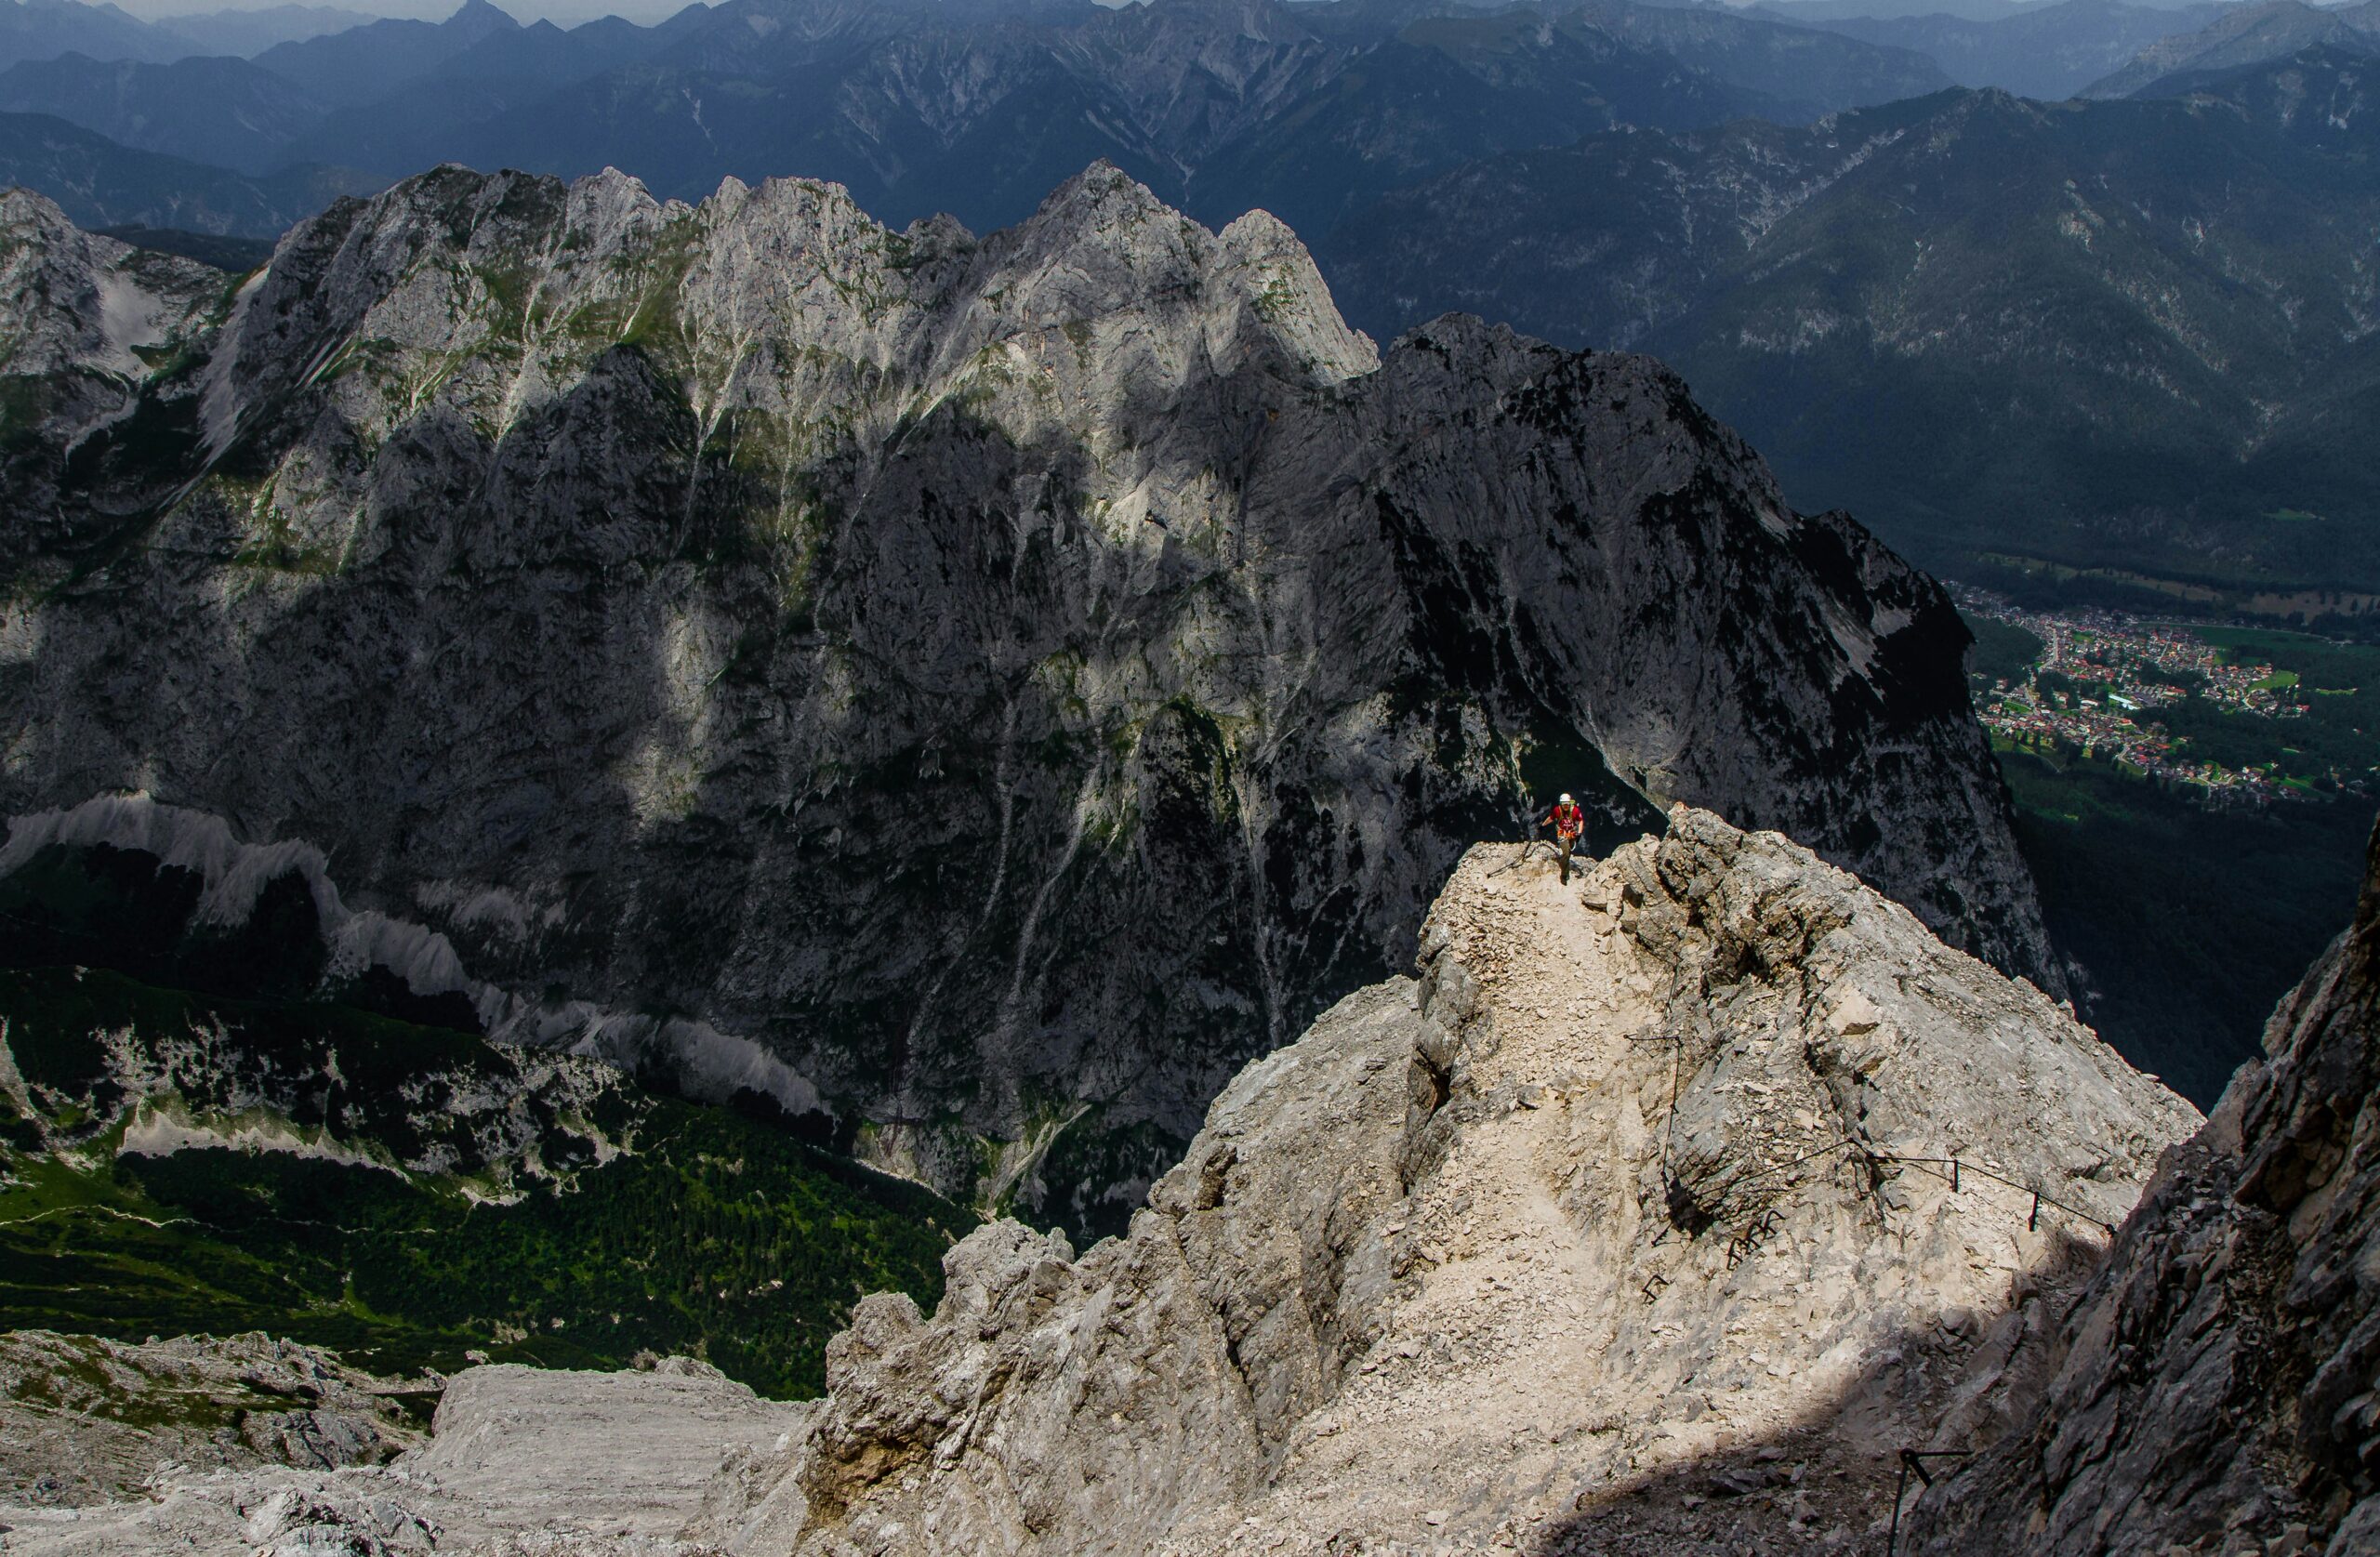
1569 820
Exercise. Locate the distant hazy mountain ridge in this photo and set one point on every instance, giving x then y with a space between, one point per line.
2048 51
2243 36
2123 334
220 111
102 183
978 107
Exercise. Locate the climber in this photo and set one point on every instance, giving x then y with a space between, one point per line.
1567 822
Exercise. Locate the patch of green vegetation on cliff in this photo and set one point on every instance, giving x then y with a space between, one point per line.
713 1233
275 548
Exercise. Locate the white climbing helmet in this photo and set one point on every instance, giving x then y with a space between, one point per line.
1565 799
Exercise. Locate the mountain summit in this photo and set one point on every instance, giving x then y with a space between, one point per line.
1011 681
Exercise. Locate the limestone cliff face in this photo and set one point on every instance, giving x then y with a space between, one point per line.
1622 1209
2218 1385
1013 681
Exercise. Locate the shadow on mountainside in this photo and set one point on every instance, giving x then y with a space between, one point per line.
1826 1480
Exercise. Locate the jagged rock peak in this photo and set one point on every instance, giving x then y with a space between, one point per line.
1642 1189
1101 245
2217 1387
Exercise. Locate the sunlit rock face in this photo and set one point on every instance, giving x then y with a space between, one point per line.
1008 681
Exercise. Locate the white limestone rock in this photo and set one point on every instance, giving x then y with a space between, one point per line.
1454 1269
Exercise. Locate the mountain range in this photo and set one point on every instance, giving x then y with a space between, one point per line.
104 183
973 107
1712 185
992 685
978 108
2135 336
600 768
218 111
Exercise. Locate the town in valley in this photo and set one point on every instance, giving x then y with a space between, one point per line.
2107 686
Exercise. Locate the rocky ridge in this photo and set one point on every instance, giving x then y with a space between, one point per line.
1613 1230
1627 1204
1010 680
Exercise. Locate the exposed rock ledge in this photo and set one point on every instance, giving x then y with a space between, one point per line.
84 1420
1591 1238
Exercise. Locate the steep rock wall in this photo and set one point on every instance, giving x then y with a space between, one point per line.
1013 681
2218 1388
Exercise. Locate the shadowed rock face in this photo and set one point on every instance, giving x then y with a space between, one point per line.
1014 681
2219 1382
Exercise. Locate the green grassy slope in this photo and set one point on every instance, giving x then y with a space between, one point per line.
580 1224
